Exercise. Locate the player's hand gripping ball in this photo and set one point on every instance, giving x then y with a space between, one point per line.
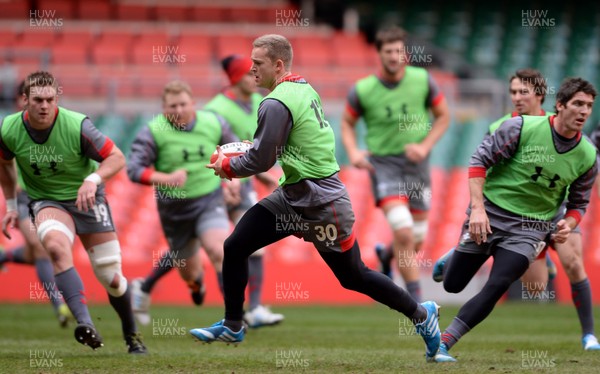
232 150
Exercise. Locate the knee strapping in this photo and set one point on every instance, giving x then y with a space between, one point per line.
106 262
399 217
54 225
419 231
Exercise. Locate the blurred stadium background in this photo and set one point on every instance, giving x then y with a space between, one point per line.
112 58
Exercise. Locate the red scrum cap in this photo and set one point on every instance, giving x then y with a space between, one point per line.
236 67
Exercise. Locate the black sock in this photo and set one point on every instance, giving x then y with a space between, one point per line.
234 326
122 305
419 315
165 264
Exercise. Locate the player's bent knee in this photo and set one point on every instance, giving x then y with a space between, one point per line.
399 217
106 262
452 286
420 231
54 225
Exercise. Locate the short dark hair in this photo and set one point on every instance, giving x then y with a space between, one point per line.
20 89
39 79
389 35
572 86
534 78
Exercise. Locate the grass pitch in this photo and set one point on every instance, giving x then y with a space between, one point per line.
516 338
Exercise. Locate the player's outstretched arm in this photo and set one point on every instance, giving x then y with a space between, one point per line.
8 179
357 157
112 164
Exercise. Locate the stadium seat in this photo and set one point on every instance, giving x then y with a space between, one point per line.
172 13
233 44
15 9
7 37
37 38
113 47
117 79
69 54
208 14
76 80
350 51
152 79
156 48
82 38
196 47
245 14
312 51
98 10
63 8
133 11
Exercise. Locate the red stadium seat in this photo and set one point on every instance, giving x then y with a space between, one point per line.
76 80
7 37
113 47
82 38
175 13
30 55
117 79
196 48
152 79
350 51
38 37
110 54
63 8
15 9
69 54
247 14
312 51
124 35
208 14
233 44
137 12
99 9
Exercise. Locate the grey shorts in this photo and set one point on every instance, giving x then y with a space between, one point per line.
527 246
398 177
23 201
95 220
249 198
211 215
327 226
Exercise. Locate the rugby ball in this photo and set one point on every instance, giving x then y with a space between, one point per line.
231 150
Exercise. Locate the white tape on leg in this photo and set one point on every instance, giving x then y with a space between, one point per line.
106 262
54 225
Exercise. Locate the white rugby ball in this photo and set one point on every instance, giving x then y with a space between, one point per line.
232 150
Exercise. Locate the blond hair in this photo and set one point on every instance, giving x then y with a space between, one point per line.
176 87
278 48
